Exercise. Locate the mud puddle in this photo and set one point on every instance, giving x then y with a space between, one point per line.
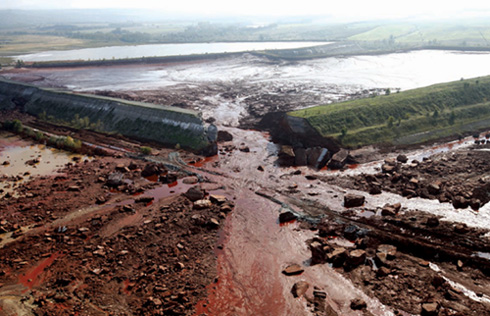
20 160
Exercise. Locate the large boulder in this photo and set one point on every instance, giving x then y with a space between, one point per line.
195 193
318 157
300 157
356 257
293 269
224 136
114 179
286 156
152 169
318 252
460 202
353 200
287 216
338 159
430 309
300 288
402 158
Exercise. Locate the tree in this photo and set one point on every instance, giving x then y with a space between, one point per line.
19 64
435 115
452 118
387 91
343 131
390 121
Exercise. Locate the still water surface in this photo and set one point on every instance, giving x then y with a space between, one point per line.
160 50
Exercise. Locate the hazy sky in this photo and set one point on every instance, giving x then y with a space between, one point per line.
341 9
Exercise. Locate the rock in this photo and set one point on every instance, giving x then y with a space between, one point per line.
424 263
381 258
409 193
300 156
452 295
168 177
33 162
358 304
300 288
100 200
74 188
460 202
202 204
432 221
121 167
430 309
195 193
320 294
388 210
383 271
414 182
227 207
337 256
390 161
402 158
179 266
434 188
144 199
388 168
318 253
350 232
375 189
260 168
356 257
132 166
390 250
323 158
213 223
217 199
6 163
317 157
286 156
338 159
461 228
475 204
287 217
114 179
293 269
190 180
152 169
244 148
127 208
224 136
459 265
311 177
438 281
353 200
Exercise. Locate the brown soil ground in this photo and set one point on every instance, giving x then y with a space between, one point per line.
76 244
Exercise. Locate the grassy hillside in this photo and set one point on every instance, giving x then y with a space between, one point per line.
407 117
445 33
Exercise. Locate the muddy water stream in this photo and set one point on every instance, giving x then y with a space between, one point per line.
256 248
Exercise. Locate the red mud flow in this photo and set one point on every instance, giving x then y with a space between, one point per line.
34 276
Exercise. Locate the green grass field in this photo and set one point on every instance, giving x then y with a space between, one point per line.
431 112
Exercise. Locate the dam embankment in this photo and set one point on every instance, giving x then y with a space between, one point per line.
166 125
